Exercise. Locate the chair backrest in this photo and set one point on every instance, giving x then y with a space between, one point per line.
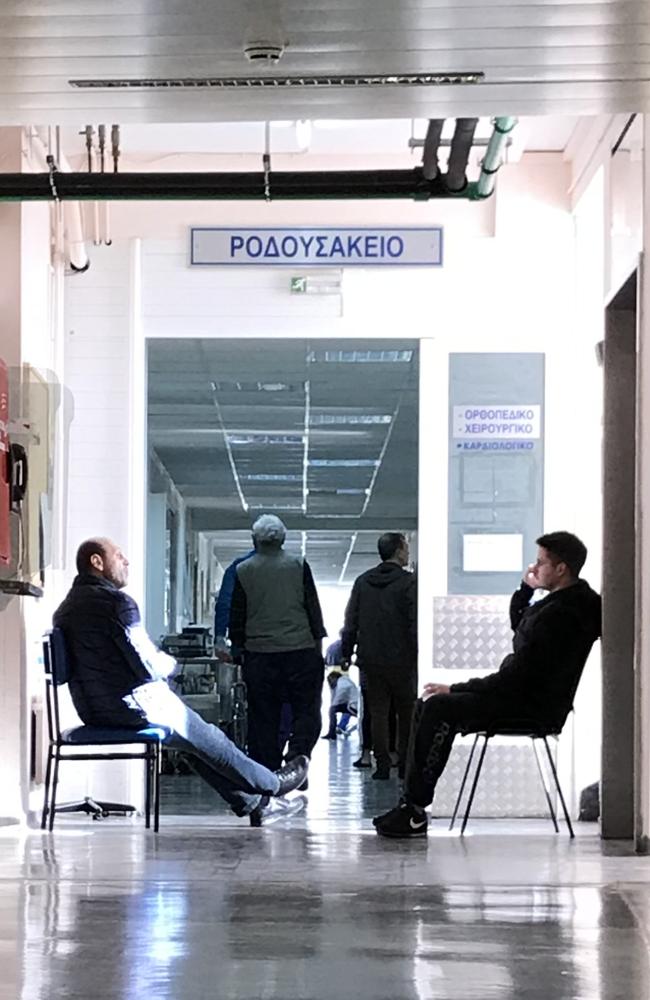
57 672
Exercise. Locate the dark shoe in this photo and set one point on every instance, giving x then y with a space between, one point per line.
401 772
329 736
256 817
363 761
292 774
402 823
381 774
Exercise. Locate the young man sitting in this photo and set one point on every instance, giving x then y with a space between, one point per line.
535 684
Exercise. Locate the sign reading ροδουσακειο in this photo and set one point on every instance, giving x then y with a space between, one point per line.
329 247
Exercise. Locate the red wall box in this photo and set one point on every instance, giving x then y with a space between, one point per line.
5 536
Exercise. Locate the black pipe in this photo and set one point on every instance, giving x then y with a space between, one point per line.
430 150
461 147
309 185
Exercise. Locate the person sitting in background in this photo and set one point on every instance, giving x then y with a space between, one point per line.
534 686
345 700
118 680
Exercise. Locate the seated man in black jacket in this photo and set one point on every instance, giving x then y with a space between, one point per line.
118 680
535 684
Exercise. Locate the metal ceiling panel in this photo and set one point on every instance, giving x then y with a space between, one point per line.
546 57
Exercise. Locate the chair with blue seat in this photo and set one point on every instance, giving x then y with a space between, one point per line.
63 745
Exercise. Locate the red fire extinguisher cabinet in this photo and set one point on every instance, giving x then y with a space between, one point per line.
5 535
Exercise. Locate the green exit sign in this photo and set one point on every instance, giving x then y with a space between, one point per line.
298 285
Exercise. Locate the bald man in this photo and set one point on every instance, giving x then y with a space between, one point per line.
119 681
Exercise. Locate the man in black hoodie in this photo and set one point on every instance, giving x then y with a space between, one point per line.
535 684
381 621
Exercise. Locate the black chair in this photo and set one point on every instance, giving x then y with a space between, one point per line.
62 743
535 733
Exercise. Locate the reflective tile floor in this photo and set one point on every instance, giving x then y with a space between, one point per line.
318 908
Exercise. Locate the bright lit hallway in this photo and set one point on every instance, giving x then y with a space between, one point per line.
165 404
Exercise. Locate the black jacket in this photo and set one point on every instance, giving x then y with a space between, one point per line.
104 664
381 619
552 641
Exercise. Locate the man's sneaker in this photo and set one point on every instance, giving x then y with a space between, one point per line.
381 774
273 810
292 774
329 736
402 823
363 761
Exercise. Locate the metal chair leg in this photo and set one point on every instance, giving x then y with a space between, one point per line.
547 791
559 789
55 782
463 782
474 785
147 787
156 787
46 790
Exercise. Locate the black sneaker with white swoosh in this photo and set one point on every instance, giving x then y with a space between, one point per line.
402 823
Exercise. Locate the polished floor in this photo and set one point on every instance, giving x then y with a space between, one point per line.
318 907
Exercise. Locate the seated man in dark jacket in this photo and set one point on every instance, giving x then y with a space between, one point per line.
381 623
118 680
535 684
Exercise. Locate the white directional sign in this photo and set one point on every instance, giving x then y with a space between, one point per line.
321 247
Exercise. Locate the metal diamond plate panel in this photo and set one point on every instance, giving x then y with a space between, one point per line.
509 785
471 632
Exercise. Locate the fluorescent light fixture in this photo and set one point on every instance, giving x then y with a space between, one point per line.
359 357
337 491
350 418
343 463
239 386
272 477
264 439
280 82
275 506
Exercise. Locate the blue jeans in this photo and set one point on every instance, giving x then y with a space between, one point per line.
238 779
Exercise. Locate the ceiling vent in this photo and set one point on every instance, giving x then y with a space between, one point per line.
253 82
264 53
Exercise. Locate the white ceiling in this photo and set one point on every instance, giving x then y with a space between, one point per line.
544 57
378 137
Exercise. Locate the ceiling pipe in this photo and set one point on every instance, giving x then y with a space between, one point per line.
493 158
232 186
461 147
430 151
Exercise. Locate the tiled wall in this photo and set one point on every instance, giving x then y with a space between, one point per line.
472 633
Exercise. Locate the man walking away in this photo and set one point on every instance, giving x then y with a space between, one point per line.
276 619
381 622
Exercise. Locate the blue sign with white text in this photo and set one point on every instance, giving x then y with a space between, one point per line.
322 247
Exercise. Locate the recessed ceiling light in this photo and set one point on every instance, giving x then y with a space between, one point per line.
359 357
343 463
349 418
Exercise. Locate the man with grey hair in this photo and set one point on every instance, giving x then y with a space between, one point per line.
276 619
